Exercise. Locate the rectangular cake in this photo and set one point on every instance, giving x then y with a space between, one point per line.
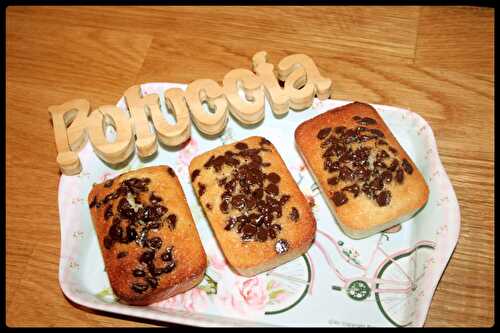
258 214
368 180
147 236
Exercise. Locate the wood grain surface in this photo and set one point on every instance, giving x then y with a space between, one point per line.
436 61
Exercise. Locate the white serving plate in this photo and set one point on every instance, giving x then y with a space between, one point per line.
333 284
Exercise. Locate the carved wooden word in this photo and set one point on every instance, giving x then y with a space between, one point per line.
242 94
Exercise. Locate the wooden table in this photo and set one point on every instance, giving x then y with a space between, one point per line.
437 61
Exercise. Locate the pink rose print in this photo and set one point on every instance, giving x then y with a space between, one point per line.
247 296
253 292
194 300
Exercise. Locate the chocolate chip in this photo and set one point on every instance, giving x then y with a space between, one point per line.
387 176
284 199
108 212
121 254
150 213
339 129
331 166
153 282
224 207
294 214
354 189
379 164
195 174
169 267
98 205
147 256
201 189
230 223
241 146
209 162
238 202
407 166
382 155
362 173
349 136
107 198
272 189
366 121
153 226
168 254
230 186
377 183
258 193
115 232
171 171
339 198
108 183
393 150
123 205
346 174
394 165
399 176
274 178
208 206
364 138
138 273
249 229
333 180
250 202
272 233
382 142
281 246
323 133
122 191
377 132
131 234
360 129
172 221
218 162
153 199
93 202
108 242
384 198
261 235
139 287
154 242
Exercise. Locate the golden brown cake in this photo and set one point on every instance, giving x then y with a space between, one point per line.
259 216
368 180
148 239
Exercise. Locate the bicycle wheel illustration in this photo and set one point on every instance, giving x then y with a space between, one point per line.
397 306
288 285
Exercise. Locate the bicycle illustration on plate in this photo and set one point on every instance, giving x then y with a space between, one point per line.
395 283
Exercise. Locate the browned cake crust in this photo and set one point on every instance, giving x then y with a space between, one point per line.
366 177
129 235
258 214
